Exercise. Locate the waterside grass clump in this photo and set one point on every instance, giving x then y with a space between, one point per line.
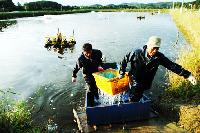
15 116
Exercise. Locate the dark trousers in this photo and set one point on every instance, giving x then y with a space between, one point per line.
137 89
136 92
92 90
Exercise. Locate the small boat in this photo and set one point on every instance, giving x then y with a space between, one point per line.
112 109
140 17
60 41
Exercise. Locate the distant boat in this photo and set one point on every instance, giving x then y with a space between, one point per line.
140 17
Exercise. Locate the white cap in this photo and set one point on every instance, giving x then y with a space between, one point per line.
153 41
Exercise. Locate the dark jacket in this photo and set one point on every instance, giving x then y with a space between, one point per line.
144 69
89 65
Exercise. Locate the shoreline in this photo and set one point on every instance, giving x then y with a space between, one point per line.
21 14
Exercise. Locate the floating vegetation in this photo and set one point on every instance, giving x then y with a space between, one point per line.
60 43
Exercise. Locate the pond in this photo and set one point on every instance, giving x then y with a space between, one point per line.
44 77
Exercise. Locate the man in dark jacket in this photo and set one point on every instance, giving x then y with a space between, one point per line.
90 61
144 64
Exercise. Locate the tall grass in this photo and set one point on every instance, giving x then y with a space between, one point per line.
189 24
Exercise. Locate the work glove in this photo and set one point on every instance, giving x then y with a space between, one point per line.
73 79
103 58
100 69
121 76
192 79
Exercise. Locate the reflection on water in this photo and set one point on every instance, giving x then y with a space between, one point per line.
59 49
6 24
53 103
59 43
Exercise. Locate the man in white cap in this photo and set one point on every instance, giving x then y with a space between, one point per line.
144 64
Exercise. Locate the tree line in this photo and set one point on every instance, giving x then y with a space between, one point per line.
8 5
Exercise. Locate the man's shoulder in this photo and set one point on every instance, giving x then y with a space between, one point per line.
138 50
159 54
96 50
81 57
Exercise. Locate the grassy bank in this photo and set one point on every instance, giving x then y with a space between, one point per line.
189 24
182 97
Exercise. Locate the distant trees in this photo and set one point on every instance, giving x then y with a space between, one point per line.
110 6
46 5
19 7
42 5
6 5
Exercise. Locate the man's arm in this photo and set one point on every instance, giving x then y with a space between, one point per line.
124 63
76 68
176 68
100 57
100 68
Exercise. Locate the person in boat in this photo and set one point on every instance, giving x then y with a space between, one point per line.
144 64
90 61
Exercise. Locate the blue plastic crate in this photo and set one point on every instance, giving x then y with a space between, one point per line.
119 113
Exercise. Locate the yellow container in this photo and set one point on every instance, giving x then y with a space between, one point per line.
113 85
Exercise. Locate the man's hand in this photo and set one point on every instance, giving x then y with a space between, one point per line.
192 79
100 69
121 76
103 58
73 79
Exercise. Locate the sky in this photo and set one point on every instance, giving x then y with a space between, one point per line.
102 2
